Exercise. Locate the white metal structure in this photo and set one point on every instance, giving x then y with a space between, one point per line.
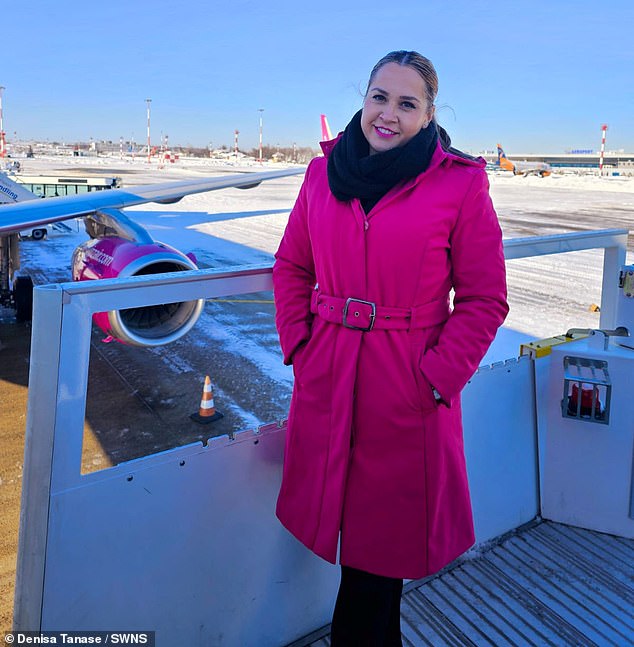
588 464
186 542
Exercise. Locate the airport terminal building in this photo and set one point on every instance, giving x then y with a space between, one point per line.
614 161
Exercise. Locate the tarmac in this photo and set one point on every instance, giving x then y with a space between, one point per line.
14 359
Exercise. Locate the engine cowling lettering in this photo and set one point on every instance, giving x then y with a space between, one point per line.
99 256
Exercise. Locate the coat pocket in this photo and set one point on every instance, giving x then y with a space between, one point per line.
297 358
420 344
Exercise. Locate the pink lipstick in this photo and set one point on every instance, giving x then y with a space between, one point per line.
384 132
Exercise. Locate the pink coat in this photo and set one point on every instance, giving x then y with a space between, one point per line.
371 458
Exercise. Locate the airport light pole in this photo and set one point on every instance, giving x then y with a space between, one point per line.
260 110
236 132
3 145
148 101
604 127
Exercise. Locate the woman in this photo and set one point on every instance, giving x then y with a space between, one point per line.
385 225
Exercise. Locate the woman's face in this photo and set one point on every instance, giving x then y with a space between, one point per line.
395 108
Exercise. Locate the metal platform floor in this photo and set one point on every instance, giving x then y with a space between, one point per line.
545 584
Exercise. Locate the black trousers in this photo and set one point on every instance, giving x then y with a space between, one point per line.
367 611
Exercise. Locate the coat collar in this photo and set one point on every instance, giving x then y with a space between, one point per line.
327 146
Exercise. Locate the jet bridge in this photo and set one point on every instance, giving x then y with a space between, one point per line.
186 542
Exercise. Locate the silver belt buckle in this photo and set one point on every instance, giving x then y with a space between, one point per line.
352 326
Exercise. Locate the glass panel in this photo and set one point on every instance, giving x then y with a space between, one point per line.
147 400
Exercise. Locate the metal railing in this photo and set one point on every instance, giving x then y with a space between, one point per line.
612 241
155 289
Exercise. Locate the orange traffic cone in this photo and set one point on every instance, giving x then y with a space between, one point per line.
207 412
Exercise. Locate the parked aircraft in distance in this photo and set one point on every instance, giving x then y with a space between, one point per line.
522 168
326 135
118 248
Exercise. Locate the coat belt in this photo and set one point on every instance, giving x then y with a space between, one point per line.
366 315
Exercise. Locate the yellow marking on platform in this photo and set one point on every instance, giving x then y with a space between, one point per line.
543 347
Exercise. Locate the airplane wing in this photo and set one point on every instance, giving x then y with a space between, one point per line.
12 192
29 214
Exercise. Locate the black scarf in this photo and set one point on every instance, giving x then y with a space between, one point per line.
354 173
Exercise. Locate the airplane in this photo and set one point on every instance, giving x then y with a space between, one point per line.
118 247
522 168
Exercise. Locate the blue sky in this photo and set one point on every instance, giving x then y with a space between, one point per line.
535 76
